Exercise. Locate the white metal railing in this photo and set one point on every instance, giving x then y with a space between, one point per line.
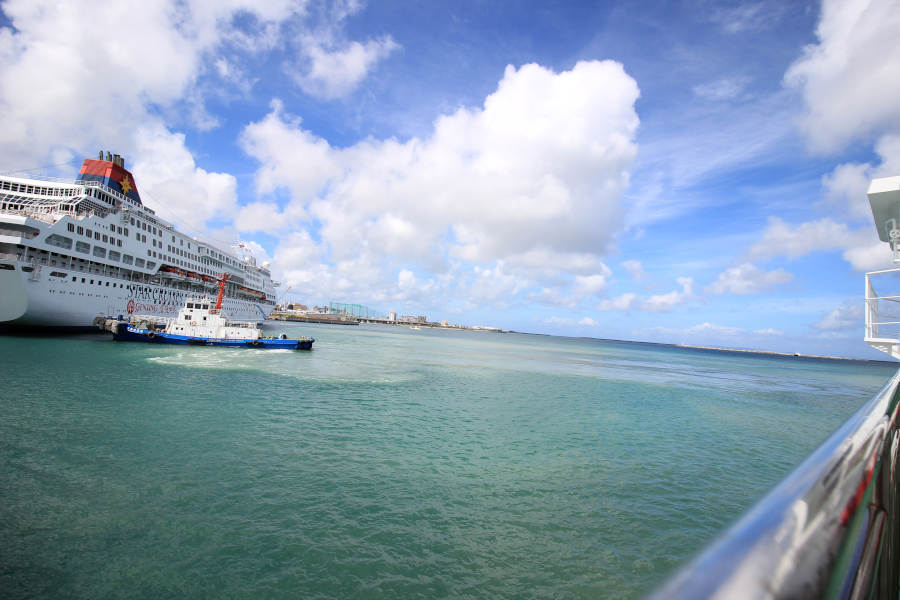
109 190
831 529
85 183
882 311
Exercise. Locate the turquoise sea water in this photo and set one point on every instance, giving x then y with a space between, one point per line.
390 463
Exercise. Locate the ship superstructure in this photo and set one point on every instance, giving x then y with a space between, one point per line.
71 251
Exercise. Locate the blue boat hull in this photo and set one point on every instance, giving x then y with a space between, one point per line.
123 332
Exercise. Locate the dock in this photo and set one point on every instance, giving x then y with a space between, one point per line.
326 318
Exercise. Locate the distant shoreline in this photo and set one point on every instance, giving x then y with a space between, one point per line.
433 325
773 353
737 350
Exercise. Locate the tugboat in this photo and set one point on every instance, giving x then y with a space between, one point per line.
200 322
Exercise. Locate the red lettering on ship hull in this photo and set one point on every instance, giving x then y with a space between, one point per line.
156 308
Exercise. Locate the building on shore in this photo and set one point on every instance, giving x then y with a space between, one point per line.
411 319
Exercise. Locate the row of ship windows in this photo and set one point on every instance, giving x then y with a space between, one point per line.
148 228
84 280
126 259
61 241
158 232
30 189
117 242
64 242
36 189
101 283
56 241
96 234
102 196
181 252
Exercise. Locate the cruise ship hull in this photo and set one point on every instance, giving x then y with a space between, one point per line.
73 251
36 298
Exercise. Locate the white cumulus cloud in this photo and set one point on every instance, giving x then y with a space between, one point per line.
68 91
592 285
635 269
710 327
174 185
335 72
845 189
527 187
860 248
746 16
668 301
849 315
728 88
850 79
781 238
620 303
747 278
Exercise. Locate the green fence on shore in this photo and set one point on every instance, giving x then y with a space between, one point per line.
357 310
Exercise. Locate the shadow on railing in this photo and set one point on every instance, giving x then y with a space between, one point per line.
829 530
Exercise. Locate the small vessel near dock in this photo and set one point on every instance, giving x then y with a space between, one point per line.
199 322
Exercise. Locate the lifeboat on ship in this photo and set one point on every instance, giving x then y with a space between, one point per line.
254 293
173 272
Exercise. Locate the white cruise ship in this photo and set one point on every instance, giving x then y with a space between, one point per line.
71 251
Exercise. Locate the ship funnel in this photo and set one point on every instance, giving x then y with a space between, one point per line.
110 172
883 287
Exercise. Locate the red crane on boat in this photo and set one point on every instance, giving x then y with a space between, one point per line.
222 281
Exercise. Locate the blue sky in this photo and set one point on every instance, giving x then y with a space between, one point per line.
682 172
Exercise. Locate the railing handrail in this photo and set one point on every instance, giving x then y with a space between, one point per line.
788 545
128 202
